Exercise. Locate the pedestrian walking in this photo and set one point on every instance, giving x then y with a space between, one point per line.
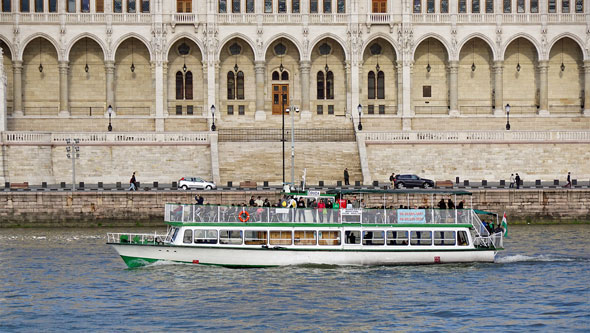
517 179
133 183
392 179
511 180
569 180
346 177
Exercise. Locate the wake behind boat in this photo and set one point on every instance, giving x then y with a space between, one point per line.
234 236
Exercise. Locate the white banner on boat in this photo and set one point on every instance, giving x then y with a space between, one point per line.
411 216
313 193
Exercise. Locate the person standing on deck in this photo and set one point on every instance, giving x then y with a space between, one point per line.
346 177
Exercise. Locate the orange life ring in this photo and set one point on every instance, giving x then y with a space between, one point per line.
240 216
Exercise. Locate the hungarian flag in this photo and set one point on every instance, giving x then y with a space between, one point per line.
504 225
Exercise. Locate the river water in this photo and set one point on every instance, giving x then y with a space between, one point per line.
69 279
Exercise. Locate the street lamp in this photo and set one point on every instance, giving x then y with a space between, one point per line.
507 117
360 109
213 117
289 109
73 152
110 112
283 100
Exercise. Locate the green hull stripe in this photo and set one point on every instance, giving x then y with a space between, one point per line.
134 262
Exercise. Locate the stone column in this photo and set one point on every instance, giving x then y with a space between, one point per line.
159 92
3 114
165 75
543 88
586 100
64 110
407 112
453 88
109 69
400 87
305 68
17 87
259 68
498 88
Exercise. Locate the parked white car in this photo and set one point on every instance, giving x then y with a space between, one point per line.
186 183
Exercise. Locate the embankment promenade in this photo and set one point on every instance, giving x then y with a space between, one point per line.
146 208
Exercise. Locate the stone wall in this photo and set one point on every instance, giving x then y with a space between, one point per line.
480 161
90 209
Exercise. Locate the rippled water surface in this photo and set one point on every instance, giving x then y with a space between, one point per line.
64 279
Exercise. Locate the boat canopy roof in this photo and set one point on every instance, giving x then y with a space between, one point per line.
399 191
483 212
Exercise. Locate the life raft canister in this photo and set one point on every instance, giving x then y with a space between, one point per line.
242 214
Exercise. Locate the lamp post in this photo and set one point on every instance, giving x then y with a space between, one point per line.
110 112
213 117
73 152
507 117
360 109
296 109
283 98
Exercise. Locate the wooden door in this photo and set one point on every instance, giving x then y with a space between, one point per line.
184 6
379 6
280 98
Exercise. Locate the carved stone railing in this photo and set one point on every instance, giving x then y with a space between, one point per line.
477 136
32 138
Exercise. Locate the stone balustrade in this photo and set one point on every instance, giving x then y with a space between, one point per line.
477 136
35 138
292 18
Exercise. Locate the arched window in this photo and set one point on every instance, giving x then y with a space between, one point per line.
330 85
285 76
381 85
240 85
231 86
275 76
371 85
320 85
188 85
179 85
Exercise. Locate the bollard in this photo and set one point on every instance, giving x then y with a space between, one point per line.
357 183
321 183
100 184
62 184
81 185
229 184
138 186
174 184
555 181
376 183
537 183
457 180
574 182
155 185
6 184
466 182
339 183
484 182
118 185
502 183
265 183
44 184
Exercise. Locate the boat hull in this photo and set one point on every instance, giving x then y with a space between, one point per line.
139 255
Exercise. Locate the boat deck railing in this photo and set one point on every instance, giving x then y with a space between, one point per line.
188 213
135 238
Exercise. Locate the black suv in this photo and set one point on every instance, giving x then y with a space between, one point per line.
402 181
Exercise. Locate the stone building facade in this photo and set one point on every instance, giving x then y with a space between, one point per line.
374 68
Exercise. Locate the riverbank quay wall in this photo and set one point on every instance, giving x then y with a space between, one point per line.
257 155
146 208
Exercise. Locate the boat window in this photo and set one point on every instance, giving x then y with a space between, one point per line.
421 238
444 238
352 237
173 232
230 236
397 237
305 237
328 237
373 237
255 237
205 236
462 239
188 236
281 237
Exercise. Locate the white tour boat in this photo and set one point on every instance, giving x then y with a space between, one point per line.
235 236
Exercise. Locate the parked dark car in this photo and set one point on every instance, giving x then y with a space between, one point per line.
407 181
